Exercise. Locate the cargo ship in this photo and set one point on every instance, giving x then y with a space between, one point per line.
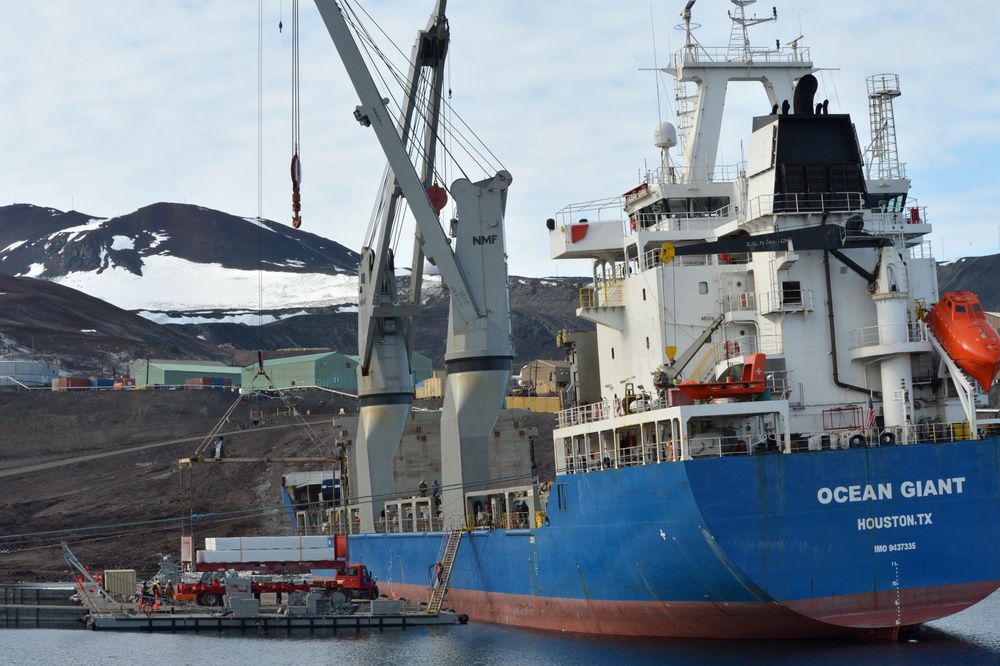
852 490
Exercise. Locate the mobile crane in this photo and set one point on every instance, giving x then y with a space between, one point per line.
479 353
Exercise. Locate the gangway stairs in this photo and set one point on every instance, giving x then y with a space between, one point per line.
447 562
967 390
91 594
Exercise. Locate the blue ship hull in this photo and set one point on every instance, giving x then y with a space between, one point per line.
860 541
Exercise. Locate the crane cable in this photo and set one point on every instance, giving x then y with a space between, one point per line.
296 168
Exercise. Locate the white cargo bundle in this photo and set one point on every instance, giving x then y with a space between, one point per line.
270 555
268 543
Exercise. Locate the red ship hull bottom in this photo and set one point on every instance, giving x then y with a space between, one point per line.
868 616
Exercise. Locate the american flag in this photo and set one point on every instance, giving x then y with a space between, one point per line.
870 417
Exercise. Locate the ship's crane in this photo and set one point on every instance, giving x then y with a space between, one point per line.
667 375
479 353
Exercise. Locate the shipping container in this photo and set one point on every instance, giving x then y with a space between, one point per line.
120 582
71 383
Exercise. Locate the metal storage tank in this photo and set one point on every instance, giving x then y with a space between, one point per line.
28 373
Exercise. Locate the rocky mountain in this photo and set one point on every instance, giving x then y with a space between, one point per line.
47 321
975 274
215 279
51 244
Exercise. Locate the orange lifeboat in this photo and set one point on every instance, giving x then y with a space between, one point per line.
958 322
752 383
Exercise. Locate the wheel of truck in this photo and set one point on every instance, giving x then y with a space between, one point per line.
210 599
373 593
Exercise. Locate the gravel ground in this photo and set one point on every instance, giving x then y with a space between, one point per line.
101 471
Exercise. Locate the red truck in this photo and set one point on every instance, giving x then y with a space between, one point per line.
354 580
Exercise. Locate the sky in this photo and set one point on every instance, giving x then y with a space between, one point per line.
108 107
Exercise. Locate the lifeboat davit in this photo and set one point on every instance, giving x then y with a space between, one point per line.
752 383
958 322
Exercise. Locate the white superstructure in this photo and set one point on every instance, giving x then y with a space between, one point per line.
793 253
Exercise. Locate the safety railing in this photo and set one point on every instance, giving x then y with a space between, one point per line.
871 336
809 202
605 294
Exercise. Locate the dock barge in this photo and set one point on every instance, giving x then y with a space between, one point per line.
305 613
315 611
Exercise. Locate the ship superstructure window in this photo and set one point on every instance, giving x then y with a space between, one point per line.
791 293
703 288
679 207
891 203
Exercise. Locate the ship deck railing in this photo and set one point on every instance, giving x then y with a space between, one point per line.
650 453
393 525
696 53
886 220
870 336
677 175
704 222
609 209
592 413
802 203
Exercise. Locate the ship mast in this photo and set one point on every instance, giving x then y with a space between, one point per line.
711 69
739 37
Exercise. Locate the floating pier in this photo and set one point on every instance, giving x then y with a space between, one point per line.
39 605
315 613
269 622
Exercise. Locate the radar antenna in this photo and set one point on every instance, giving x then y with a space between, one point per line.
739 39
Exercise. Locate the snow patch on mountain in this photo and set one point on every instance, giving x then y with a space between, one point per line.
172 284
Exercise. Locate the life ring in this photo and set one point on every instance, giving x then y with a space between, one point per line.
858 441
631 222
887 438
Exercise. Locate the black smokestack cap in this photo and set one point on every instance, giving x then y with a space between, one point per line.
805 90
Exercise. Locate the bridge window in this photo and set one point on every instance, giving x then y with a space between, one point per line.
676 207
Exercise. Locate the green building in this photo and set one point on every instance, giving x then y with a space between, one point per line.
151 372
331 370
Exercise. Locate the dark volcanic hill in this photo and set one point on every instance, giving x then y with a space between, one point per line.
47 243
539 309
975 274
81 331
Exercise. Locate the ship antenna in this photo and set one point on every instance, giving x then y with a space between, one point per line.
739 39
689 40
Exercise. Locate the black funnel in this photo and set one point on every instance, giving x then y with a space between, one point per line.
805 90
